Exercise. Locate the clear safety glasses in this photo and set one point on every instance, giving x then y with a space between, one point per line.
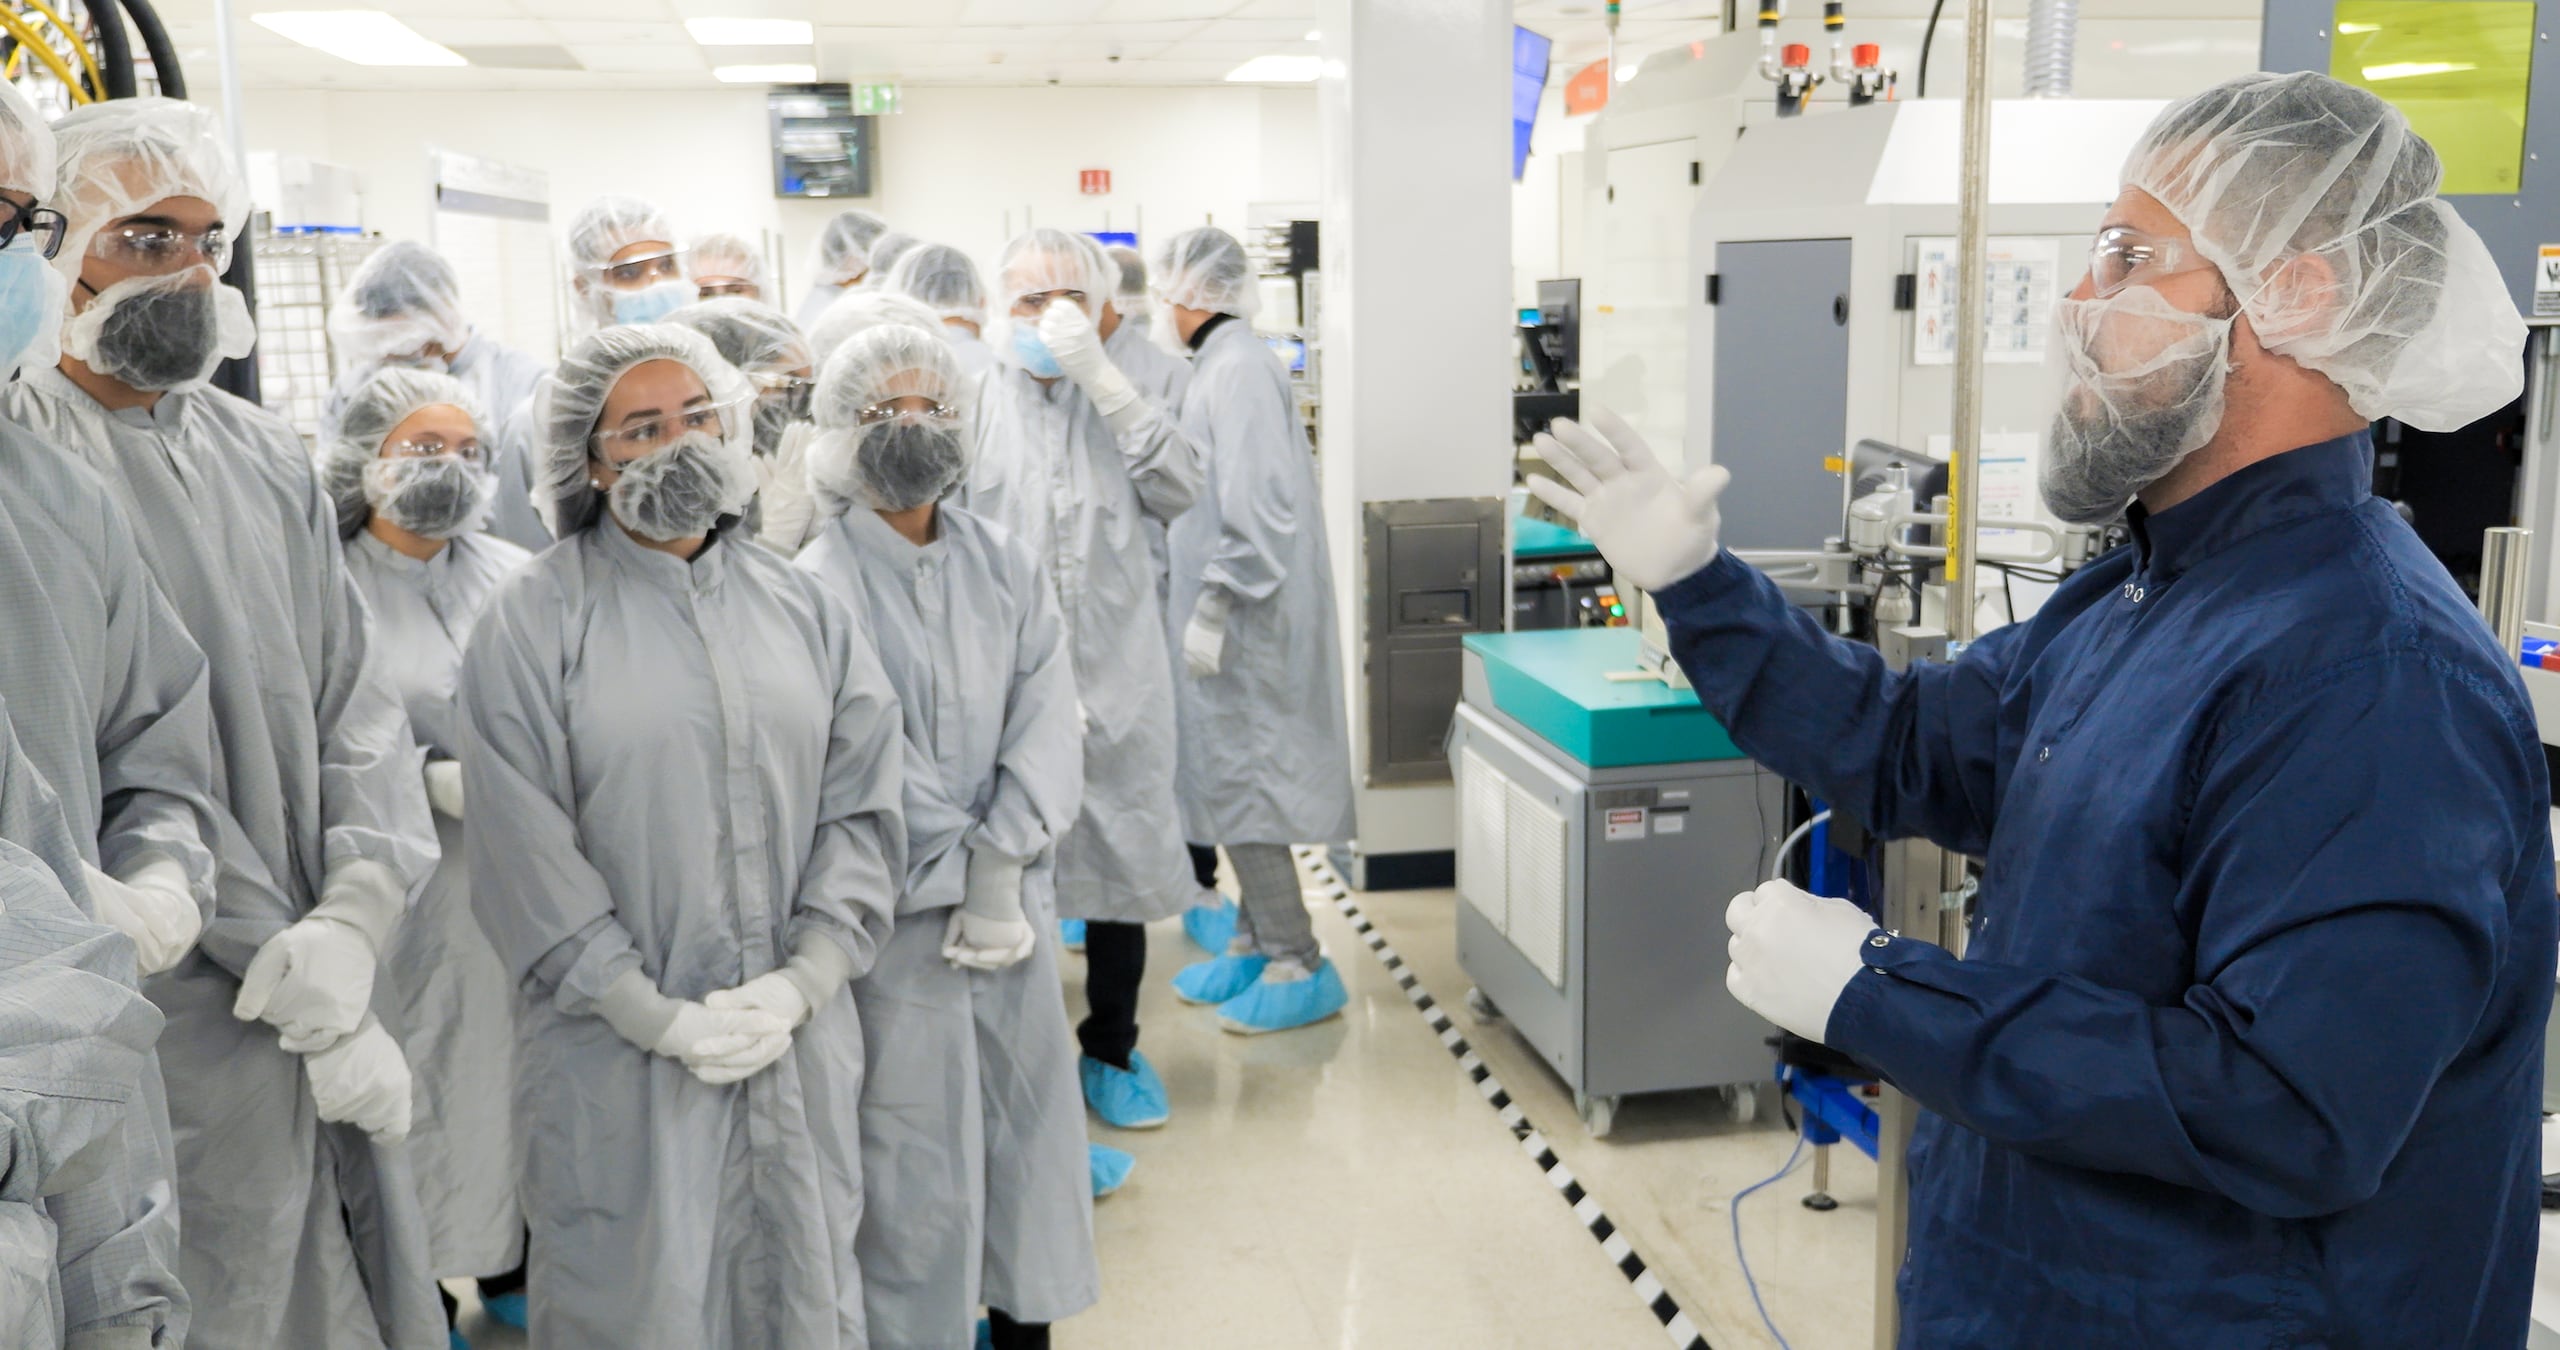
878 413
157 250
649 269
715 288
640 439
40 223
790 391
2122 257
430 444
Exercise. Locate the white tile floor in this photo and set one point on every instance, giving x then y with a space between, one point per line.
1345 1187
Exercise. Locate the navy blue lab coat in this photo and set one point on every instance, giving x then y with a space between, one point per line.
2246 1047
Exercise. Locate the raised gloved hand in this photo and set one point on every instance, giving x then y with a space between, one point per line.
1070 336
154 908
1792 954
313 981
1204 639
1653 528
444 786
987 931
363 1081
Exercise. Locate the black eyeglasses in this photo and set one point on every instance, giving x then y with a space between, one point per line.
46 223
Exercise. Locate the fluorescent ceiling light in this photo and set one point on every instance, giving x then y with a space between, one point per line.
1277 70
367 37
2407 70
750 32
765 74
1316 36
1627 72
2351 29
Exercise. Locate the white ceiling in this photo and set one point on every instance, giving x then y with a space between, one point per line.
643 44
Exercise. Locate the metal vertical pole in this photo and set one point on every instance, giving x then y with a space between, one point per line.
226 46
2503 553
1973 242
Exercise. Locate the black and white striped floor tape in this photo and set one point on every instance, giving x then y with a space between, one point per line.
1586 1208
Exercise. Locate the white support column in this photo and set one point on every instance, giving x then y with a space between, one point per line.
1416 325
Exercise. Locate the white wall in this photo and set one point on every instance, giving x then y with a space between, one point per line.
960 166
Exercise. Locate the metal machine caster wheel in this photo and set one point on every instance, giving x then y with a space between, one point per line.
1482 1007
1599 1114
1820 1203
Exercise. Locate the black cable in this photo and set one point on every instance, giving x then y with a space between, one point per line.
155 41
1926 40
115 48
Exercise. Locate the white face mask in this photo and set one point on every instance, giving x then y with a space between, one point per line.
2142 390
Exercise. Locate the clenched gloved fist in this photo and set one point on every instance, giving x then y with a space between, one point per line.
1792 954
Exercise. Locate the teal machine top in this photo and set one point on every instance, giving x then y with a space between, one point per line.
1556 683
1535 538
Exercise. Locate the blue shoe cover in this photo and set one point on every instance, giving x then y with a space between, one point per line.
1071 934
1214 982
507 1310
1211 928
1128 1099
1111 1169
1282 1007
986 1335
454 1334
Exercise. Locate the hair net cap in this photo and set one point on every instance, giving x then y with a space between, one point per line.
402 298
571 398
1205 269
2405 309
844 247
1133 271
863 310
119 157
749 334
373 412
1046 260
26 146
889 248
727 257
944 280
609 225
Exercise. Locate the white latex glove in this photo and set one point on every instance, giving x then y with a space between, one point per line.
1792 954
444 786
724 1045
314 980
1653 528
363 1081
1071 337
987 930
772 992
154 908
1084 719
1204 639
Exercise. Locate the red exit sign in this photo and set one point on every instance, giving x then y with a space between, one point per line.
1094 182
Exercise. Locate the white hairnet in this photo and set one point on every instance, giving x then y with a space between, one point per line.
889 248
943 278
1205 269
119 157
1045 260
609 225
844 247
727 257
2405 309
882 363
26 146
373 412
863 310
749 334
1133 273
402 298
570 399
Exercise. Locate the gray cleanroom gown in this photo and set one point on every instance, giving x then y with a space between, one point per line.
983 1170
457 1004
681 768
1266 748
1052 474
310 1232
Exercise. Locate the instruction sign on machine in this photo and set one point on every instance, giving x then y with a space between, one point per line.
2024 273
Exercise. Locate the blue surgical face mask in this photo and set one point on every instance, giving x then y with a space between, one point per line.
652 303
1032 352
29 303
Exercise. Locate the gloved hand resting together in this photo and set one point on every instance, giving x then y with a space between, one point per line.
314 980
152 906
987 930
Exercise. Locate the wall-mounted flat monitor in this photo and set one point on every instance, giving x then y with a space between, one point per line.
821 148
